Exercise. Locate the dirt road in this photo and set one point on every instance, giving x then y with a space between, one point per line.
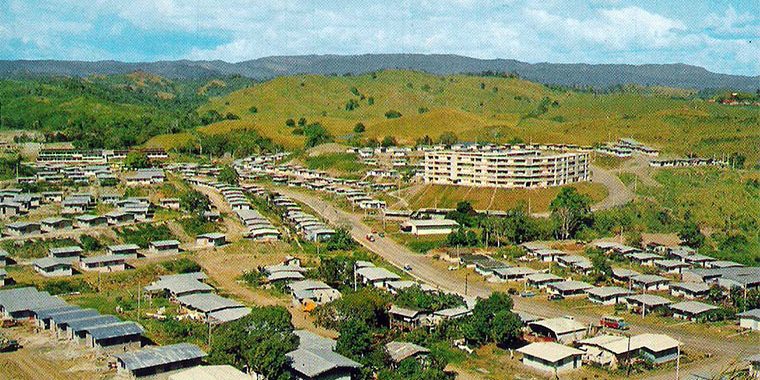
723 350
617 193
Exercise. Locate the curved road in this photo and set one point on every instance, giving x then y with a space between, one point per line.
724 351
618 193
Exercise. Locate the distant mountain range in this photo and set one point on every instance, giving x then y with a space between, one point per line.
598 76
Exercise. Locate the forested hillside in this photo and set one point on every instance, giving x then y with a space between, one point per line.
108 111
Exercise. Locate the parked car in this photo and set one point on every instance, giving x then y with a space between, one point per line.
407 267
370 238
527 294
555 297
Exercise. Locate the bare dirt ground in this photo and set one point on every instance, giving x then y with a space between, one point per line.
43 357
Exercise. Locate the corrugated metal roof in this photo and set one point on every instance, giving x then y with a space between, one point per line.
89 322
46 313
64 318
14 300
115 330
312 362
207 302
229 315
157 356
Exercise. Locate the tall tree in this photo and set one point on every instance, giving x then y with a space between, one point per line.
570 209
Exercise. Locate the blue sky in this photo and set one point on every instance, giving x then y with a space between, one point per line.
722 36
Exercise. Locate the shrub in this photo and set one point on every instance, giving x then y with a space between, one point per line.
393 114
182 265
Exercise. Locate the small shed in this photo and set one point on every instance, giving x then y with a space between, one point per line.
53 266
103 263
22 228
564 330
750 319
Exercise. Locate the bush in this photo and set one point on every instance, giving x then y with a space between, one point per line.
90 243
197 225
67 286
359 128
393 114
182 265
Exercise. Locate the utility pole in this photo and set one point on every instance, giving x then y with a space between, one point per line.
678 362
466 276
208 320
354 276
138 300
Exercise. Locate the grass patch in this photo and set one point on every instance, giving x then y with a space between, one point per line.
341 163
196 226
34 249
143 234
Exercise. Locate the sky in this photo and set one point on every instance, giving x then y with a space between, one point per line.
722 36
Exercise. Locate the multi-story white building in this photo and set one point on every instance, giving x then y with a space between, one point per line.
505 168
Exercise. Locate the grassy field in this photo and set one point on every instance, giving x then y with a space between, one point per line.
495 199
342 164
485 108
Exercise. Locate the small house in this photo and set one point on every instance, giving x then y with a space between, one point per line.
563 330
164 247
400 351
89 221
118 336
650 282
55 224
103 263
72 251
643 258
689 290
551 357
169 203
646 303
376 276
608 295
542 280
214 239
9 208
671 266
429 227
750 319
691 310
53 266
154 360
119 217
405 319
127 251
569 288
3 276
22 228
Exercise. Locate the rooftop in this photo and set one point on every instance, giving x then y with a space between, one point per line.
156 356
549 351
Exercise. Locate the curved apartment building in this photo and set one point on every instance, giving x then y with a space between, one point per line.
505 168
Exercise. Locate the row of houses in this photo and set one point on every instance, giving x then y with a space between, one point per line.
258 227
625 147
79 175
70 322
72 156
107 334
61 260
565 344
198 299
306 225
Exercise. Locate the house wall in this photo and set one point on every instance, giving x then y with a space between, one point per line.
56 272
542 365
748 323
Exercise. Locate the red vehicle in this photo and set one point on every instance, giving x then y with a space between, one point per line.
370 238
612 322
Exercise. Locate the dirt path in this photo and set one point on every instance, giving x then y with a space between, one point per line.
617 193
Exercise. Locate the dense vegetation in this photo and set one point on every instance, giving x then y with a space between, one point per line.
108 111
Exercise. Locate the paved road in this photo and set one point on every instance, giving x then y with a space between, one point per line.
724 350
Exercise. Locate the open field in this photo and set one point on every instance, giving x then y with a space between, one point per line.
494 199
485 109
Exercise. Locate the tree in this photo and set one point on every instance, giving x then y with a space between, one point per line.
341 240
258 341
290 123
690 234
302 122
229 175
136 160
254 110
194 201
388 141
355 340
506 327
491 321
569 210
359 128
447 138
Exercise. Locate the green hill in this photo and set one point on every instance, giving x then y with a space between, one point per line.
488 109
107 111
